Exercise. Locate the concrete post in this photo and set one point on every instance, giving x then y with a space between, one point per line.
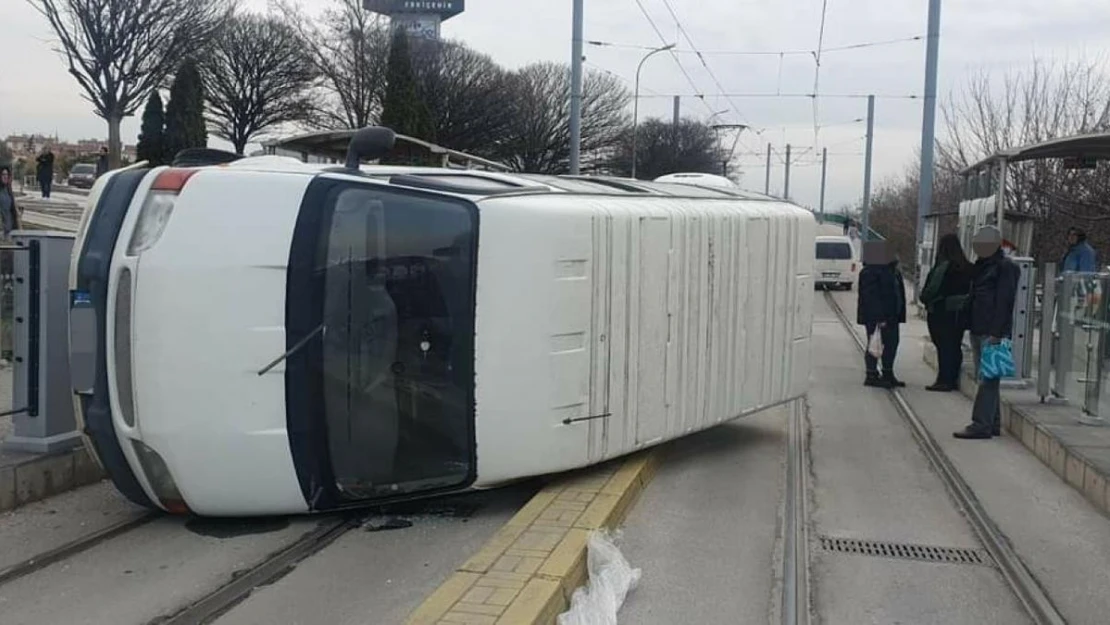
866 234
786 179
928 122
41 393
767 182
824 169
576 88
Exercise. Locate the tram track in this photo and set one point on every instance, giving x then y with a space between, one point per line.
73 547
1033 598
272 568
795 607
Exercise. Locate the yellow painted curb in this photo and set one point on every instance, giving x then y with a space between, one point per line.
525 574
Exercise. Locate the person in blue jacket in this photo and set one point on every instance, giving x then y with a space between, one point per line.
1080 257
881 308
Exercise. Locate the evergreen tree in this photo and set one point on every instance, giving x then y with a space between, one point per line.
185 112
151 146
403 110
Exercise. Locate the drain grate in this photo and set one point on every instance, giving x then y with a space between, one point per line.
905 551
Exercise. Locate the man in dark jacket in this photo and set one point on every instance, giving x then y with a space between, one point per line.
881 306
993 290
45 171
102 162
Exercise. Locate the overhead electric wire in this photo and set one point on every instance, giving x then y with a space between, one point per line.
685 73
817 68
855 96
713 76
843 48
618 76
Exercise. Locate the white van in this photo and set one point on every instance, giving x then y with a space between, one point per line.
837 262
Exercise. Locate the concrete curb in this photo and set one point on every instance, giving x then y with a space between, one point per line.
36 477
1069 462
526 573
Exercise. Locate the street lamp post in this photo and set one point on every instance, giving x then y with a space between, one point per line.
636 101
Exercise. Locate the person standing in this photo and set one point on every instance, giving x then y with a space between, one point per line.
881 307
102 162
45 171
993 291
1080 257
944 296
9 212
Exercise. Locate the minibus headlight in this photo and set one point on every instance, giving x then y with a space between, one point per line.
158 475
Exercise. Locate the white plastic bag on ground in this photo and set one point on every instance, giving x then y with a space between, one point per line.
611 577
875 345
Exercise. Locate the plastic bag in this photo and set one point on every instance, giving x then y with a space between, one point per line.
875 345
611 577
996 361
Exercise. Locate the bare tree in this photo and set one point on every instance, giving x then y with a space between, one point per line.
538 138
465 91
119 50
663 149
257 75
1046 100
349 48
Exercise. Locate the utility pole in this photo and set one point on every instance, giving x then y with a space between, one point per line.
867 169
928 126
786 181
674 128
767 183
824 168
576 89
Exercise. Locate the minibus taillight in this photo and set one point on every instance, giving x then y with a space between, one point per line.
157 208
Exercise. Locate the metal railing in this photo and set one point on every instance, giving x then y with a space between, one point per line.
1073 324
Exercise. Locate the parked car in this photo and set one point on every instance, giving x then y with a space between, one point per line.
82 176
837 263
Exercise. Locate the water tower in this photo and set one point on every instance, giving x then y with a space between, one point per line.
420 18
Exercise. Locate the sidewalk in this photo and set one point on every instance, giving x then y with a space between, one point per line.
1079 454
27 477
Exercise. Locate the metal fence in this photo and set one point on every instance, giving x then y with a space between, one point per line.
1072 346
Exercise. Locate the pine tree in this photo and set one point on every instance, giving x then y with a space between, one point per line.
402 110
185 112
152 139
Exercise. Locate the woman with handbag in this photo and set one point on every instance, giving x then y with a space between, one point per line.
945 297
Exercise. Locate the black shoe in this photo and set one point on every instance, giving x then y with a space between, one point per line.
893 382
876 382
940 387
971 432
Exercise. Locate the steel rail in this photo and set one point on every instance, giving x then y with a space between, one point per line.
73 547
239 587
795 561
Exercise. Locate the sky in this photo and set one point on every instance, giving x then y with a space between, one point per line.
37 95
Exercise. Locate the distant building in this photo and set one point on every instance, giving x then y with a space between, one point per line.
28 146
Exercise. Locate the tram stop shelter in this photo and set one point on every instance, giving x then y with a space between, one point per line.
985 185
